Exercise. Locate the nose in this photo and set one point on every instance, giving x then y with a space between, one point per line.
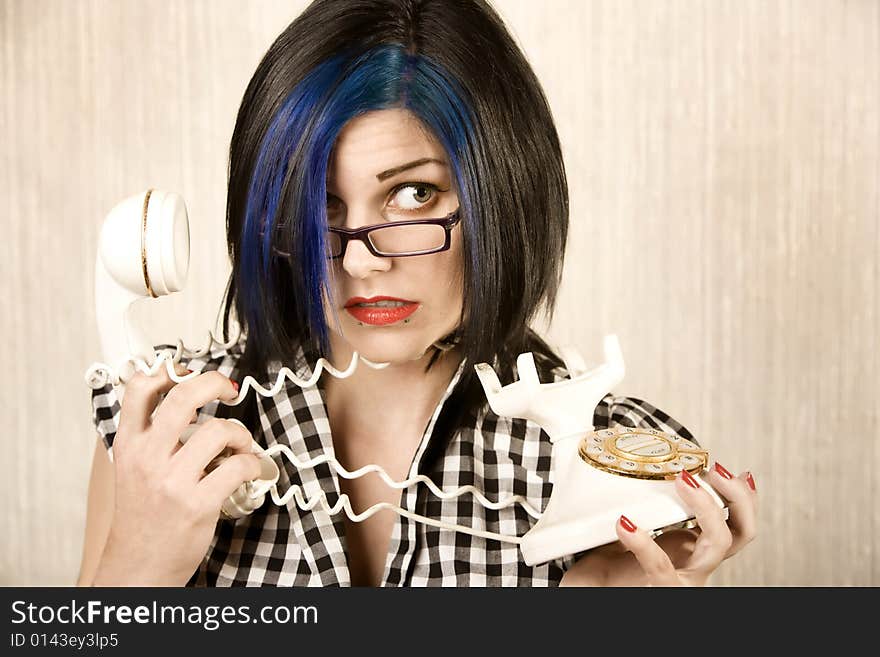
359 263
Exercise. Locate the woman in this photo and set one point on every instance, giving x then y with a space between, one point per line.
423 122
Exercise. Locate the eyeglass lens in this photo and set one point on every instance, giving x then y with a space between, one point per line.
397 239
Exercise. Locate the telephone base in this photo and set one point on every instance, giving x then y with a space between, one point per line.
584 512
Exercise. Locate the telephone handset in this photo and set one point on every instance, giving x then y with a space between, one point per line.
143 252
596 475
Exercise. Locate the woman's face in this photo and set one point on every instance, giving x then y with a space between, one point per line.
391 309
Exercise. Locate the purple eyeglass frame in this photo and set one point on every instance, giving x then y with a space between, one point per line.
362 235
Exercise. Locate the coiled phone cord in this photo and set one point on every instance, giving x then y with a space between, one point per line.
344 503
100 371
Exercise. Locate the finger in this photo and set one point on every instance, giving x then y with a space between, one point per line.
210 440
742 506
651 557
715 538
251 446
176 410
188 431
678 544
225 479
142 393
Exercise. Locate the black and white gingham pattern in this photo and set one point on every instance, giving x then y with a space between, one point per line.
278 546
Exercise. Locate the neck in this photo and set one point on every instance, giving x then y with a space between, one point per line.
400 395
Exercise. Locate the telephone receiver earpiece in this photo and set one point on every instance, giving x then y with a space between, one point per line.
143 252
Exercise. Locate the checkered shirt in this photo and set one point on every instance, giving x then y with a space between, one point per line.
284 546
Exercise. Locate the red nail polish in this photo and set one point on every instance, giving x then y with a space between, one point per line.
234 384
720 469
627 524
189 371
751 481
688 479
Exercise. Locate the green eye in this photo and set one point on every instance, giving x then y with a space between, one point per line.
414 196
425 191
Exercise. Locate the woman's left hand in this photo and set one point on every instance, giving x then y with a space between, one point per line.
679 558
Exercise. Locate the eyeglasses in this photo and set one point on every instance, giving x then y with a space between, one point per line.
398 239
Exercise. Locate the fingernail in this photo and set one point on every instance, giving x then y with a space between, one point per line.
234 384
189 371
689 480
720 469
750 480
627 524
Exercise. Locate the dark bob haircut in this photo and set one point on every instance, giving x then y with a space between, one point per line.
451 63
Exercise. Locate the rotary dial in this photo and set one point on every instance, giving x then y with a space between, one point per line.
642 453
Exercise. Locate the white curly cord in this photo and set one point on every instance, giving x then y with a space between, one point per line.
100 373
360 472
296 492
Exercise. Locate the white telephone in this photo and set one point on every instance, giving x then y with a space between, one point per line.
597 475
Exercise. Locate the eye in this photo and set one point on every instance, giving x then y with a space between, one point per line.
414 196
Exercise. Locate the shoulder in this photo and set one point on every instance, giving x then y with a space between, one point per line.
106 407
633 412
618 409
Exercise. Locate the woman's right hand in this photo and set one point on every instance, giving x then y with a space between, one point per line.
166 505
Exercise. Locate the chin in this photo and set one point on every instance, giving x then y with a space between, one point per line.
387 346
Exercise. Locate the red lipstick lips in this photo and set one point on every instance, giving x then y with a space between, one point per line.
380 311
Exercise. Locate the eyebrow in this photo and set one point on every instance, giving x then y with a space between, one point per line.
409 165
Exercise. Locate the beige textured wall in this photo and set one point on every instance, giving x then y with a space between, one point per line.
724 159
